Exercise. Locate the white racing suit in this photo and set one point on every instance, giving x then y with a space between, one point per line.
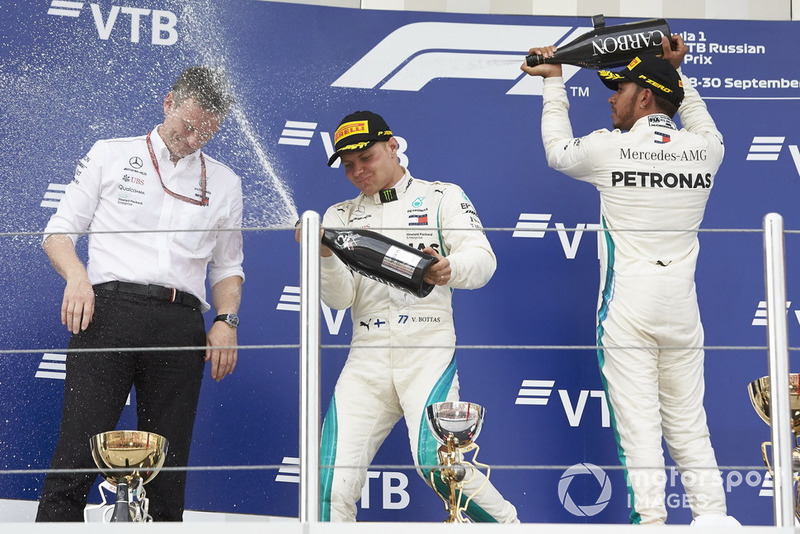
402 354
654 178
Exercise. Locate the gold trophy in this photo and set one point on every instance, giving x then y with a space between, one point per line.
456 425
760 398
129 459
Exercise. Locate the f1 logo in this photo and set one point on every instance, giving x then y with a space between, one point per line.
415 54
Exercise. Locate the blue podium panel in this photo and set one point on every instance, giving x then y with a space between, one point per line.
451 89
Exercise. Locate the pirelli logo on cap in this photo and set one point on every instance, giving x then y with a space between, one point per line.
350 128
633 63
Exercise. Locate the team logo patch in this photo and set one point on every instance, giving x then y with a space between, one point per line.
418 220
662 138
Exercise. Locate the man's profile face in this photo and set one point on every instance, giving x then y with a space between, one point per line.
187 127
623 105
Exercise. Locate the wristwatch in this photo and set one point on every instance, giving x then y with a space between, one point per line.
231 319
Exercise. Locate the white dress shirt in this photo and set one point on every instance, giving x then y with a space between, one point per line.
116 195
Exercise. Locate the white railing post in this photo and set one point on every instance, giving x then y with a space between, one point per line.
309 367
778 349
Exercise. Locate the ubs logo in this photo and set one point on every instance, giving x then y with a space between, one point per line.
132 179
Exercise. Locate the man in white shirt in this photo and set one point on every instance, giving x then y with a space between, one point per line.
144 286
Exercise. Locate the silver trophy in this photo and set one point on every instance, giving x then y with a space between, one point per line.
760 398
129 459
456 425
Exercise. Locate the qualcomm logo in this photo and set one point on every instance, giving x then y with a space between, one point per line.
760 318
301 133
290 301
535 226
415 54
584 470
537 393
162 23
769 149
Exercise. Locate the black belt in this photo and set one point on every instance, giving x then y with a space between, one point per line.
153 291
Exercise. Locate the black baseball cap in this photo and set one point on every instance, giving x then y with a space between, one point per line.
650 72
359 131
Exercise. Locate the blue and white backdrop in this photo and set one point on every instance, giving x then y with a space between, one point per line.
450 86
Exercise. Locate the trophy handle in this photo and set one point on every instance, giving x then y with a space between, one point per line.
453 467
765 455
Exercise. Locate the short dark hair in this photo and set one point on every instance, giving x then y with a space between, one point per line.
207 86
665 106
662 104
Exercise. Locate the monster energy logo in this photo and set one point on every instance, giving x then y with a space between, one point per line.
388 195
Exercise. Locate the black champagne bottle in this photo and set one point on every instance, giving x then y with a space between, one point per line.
609 46
381 258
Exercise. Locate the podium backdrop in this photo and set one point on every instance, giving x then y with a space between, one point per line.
450 87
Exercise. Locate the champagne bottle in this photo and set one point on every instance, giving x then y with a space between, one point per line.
609 46
381 258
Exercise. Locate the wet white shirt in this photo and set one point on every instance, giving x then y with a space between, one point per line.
116 194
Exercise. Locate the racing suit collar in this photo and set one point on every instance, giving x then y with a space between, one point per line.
659 120
395 193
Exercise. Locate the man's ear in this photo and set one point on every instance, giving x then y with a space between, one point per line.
169 103
646 97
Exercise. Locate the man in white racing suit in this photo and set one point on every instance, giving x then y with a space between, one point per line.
402 354
654 180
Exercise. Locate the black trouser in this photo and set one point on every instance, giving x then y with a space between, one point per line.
97 385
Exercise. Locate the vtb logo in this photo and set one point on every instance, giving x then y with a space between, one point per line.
393 489
536 226
760 317
770 148
538 392
290 301
162 23
415 54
